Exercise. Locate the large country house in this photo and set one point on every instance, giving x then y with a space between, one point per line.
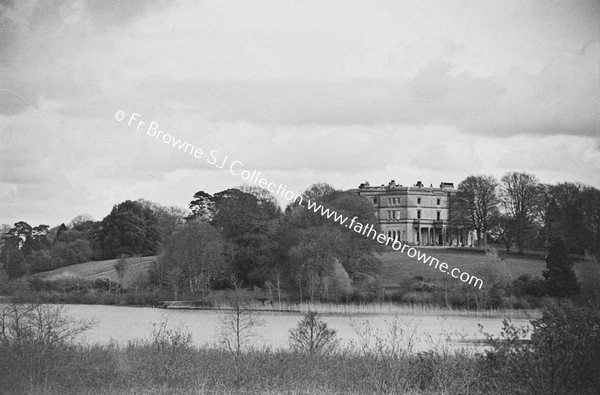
416 214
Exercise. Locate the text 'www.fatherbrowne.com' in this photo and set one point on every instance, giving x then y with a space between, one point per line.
254 177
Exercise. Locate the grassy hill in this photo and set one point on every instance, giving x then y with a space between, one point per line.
398 267
102 269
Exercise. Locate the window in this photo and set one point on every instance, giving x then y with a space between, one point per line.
374 200
438 215
419 214
398 214
418 200
439 201
393 200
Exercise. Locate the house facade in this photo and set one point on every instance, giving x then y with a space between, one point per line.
417 214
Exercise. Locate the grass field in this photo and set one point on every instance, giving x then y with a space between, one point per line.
398 267
103 269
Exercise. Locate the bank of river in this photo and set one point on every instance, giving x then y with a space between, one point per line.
121 324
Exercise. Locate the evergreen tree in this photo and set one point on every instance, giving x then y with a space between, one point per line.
560 277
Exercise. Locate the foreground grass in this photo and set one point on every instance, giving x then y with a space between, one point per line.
147 368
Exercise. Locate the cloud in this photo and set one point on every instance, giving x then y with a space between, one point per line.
560 99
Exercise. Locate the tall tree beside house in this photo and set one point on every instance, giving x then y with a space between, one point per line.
561 280
475 205
519 198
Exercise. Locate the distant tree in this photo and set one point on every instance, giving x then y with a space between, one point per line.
197 249
170 218
71 253
19 242
313 258
591 220
202 207
80 219
266 199
476 204
338 281
120 267
40 261
249 227
502 230
561 280
13 259
62 228
130 229
519 196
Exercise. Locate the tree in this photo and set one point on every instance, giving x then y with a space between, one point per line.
120 267
249 227
313 335
476 204
560 277
18 243
240 323
197 249
313 258
130 229
34 337
266 199
202 207
80 219
519 196
170 218
40 261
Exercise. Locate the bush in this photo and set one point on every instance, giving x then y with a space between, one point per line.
525 285
313 336
562 357
36 344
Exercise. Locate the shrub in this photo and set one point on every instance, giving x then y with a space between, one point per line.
36 343
313 336
525 285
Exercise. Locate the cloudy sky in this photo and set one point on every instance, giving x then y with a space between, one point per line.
338 91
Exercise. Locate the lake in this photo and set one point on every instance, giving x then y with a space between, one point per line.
121 324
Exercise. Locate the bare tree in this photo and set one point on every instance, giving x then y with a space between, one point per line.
239 324
476 203
519 196
36 337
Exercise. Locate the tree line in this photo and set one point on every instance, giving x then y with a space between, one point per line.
519 211
240 232
243 232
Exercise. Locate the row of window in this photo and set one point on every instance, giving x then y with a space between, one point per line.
392 214
394 201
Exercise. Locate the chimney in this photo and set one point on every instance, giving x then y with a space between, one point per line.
392 184
419 184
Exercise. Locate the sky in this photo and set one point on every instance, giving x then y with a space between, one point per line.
336 91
